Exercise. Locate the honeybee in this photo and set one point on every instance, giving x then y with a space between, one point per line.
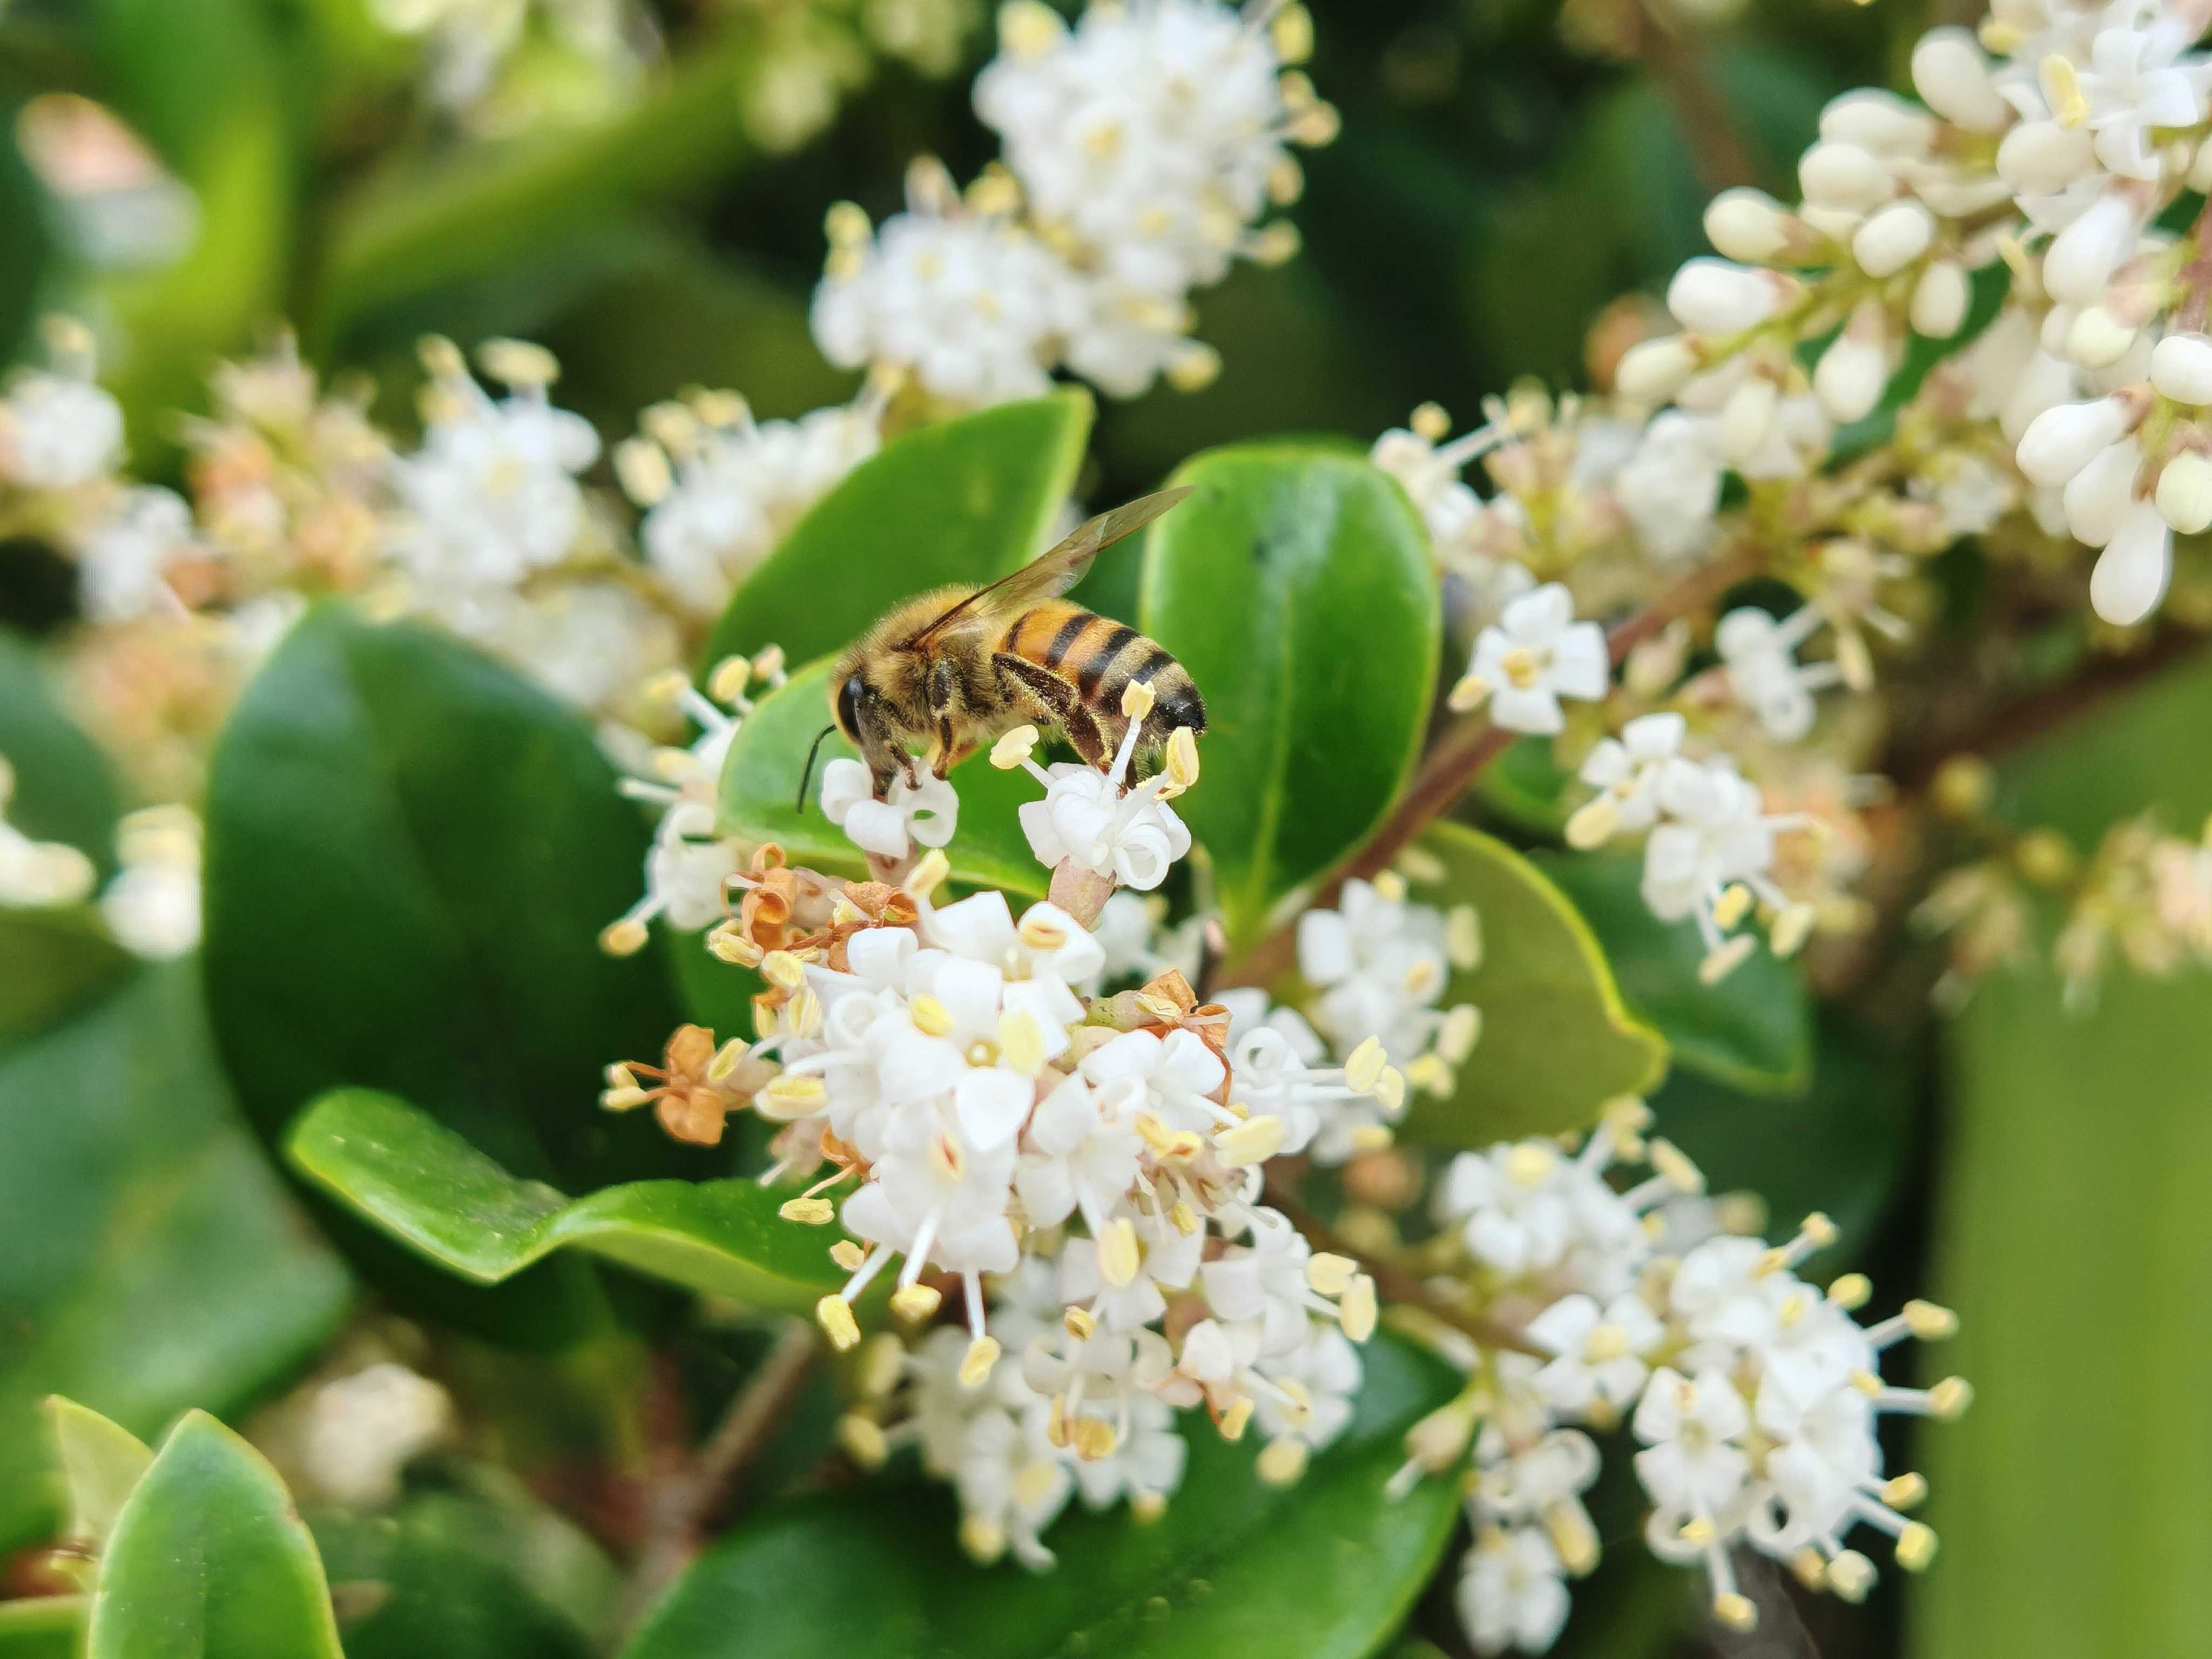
955 668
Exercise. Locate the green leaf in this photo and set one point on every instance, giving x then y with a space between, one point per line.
64 791
410 853
1557 1041
479 1571
2071 1239
44 1627
153 1261
209 1561
1840 1145
28 248
100 1462
1296 587
1752 1031
396 1167
760 792
962 500
52 963
1325 1569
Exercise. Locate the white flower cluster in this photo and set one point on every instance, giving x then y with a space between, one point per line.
1100 823
1754 1396
37 874
1140 147
152 907
687 870
955 1067
1710 843
501 64
722 488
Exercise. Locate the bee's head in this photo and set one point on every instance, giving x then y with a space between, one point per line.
845 706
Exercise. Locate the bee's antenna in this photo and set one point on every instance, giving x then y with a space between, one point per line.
811 749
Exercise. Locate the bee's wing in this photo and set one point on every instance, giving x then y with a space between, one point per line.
1053 572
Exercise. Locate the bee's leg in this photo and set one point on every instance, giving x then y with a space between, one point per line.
944 701
880 748
1060 703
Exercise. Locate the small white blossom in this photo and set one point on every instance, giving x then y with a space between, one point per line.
1535 655
927 813
152 907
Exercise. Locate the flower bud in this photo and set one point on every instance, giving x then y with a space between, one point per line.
1843 176
1748 225
2059 442
2131 573
2200 170
2097 497
2042 157
2082 257
1893 238
1714 296
1853 370
2181 368
2184 493
2097 339
1940 299
2044 384
1746 418
1953 78
1652 371
1878 121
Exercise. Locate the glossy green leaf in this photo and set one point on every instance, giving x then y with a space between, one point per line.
45 1627
399 1169
100 1462
1557 1041
1325 1569
209 1561
2072 1240
1752 1031
410 853
64 791
1296 587
961 500
476 1570
760 795
153 1261
1840 1145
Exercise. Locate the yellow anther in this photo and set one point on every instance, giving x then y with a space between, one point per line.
1117 1253
1725 959
1356 1309
975 1365
1195 367
1736 1611
984 1541
1159 1007
1818 1230
1431 1076
1529 1163
916 1303
1431 423
1364 1065
862 1437
1078 1323
1523 667
1254 1141
1094 1438
1183 1218
1291 32
809 1211
1388 1093
1732 906
1792 928
725 944
1468 694
1697 1532
1015 747
1182 765
1791 1312
1605 1342
625 938
783 970
1329 1274
1849 1576
1234 1420
880 1365
622 1100
1851 1291
846 225
847 1255
1950 1398
1420 978
519 362
619 1076
1573 1537
931 1018
2062 90
1137 700
1282 1462
1028 28
1040 933
1905 1492
785 1098
928 873
951 1160
1021 1044
1146 1507
726 1060
1675 1165
1930 1321
2003 39
1866 1383
1916 1547
1373 1137
1460 1031
642 470
1594 823
1390 887
834 1314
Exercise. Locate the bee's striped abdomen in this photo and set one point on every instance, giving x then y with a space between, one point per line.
1100 657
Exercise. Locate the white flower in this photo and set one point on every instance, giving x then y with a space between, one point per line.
927 814
1536 654
1097 822
120 567
973 306
1600 1352
1693 1463
1513 1592
1670 487
363 1429
2138 81
1763 671
1627 769
1168 1259
1079 1153
491 495
58 431
1381 963
1715 835
2131 573
152 907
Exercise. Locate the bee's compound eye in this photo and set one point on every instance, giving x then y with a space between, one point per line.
849 708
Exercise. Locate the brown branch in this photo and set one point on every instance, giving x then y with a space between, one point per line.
685 1504
1717 148
1396 1282
1469 745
